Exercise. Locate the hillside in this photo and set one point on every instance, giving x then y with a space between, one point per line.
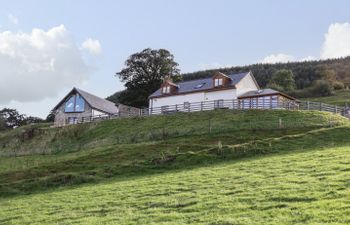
219 167
340 97
304 72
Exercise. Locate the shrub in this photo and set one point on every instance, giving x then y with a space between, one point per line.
319 88
338 85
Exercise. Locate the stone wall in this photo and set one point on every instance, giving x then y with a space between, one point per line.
61 117
128 111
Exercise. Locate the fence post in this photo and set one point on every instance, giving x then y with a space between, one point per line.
336 109
320 106
209 125
308 105
201 106
270 102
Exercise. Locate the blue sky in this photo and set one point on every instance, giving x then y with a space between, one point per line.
200 34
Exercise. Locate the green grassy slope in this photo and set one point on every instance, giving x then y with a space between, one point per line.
222 167
298 187
341 98
42 140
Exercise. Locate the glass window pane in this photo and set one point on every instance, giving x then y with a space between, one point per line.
79 104
70 104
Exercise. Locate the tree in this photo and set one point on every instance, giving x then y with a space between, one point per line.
144 73
282 80
50 117
12 117
33 119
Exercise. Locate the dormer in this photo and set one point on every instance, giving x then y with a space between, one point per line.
221 80
168 87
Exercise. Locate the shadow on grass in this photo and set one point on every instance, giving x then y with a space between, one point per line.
126 162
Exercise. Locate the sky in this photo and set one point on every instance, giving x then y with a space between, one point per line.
49 47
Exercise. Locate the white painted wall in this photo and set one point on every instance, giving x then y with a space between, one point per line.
245 85
176 102
176 99
193 97
97 113
223 94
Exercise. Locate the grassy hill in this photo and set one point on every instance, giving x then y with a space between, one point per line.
341 98
219 167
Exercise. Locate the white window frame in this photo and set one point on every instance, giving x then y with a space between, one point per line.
166 89
72 120
218 82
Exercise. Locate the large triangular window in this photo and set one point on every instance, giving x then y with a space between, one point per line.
75 103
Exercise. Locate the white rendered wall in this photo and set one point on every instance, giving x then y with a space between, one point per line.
224 94
97 113
176 102
245 85
176 99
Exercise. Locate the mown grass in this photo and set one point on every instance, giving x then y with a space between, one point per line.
248 168
300 187
341 98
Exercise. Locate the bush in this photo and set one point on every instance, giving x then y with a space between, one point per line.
322 88
338 85
319 88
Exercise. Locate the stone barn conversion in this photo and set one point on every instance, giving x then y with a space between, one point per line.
80 106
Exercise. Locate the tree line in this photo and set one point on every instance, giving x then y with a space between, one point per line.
11 118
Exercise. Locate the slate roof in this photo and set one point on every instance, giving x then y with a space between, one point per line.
194 85
262 92
94 101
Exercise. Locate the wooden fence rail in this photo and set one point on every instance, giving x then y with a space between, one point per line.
231 104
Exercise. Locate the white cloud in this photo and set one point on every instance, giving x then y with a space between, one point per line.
13 19
337 41
308 58
278 58
93 46
335 45
39 64
214 65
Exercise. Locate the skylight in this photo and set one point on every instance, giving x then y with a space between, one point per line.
199 85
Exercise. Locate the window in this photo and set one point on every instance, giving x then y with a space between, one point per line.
79 103
219 104
199 85
166 89
72 120
70 104
217 82
75 103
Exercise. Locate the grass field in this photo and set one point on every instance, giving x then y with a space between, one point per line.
341 98
236 168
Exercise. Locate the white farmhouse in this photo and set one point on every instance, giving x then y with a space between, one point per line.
238 90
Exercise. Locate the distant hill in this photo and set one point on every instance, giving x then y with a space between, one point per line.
304 72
